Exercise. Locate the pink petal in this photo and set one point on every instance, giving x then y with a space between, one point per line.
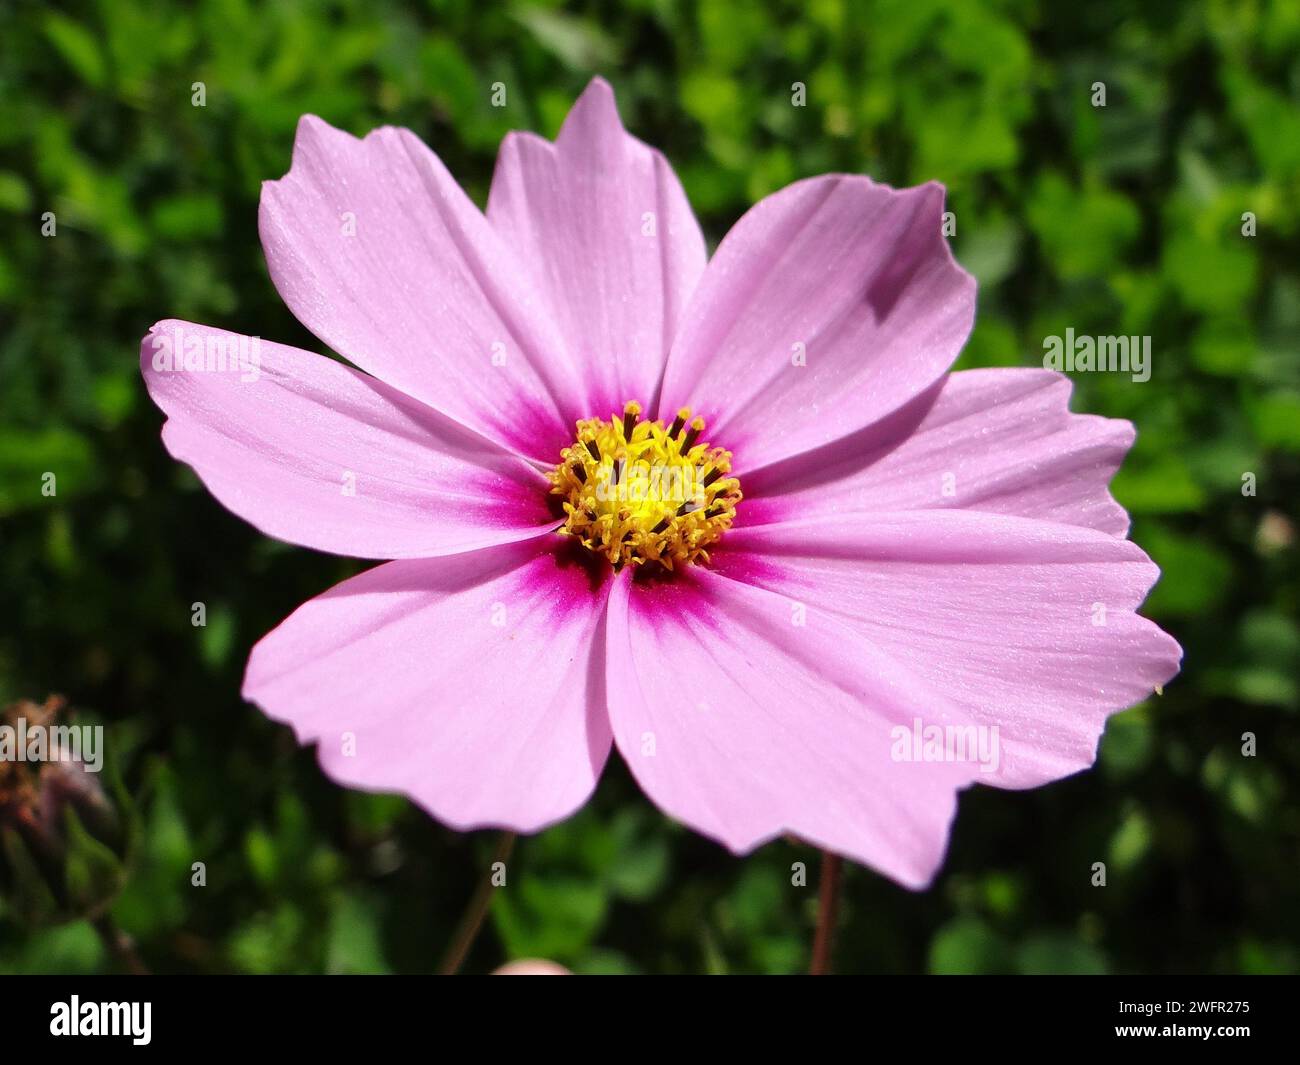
471 684
603 225
745 727
1022 624
1000 440
281 444
423 294
531 967
860 276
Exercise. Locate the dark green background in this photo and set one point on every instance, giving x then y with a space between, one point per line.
1117 220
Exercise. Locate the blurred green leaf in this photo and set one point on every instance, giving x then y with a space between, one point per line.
1059 954
554 918
578 43
355 937
966 945
78 46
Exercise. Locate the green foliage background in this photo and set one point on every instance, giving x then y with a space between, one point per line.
1117 220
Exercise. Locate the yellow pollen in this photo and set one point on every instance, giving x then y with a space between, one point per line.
638 492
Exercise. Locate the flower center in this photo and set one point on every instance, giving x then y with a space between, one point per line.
635 491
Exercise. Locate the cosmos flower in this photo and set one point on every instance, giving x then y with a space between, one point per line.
733 515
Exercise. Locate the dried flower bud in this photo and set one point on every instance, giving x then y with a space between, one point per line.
61 839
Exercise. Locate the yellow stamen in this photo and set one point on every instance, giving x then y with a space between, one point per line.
637 492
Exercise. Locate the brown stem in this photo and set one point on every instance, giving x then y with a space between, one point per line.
120 945
828 905
472 919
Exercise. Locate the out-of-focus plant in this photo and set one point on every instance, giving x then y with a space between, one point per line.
1122 219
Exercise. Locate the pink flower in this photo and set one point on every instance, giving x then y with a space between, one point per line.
531 967
893 582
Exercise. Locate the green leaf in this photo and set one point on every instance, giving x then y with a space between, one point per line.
1126 745
1194 575
990 252
576 42
1160 485
1211 275
187 217
27 456
1131 841
217 637
355 939
78 46
1059 954
966 945
65 950
1276 420
1084 232
94 874
554 918
14 194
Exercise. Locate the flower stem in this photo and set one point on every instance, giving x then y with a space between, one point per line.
828 905
120 945
472 919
